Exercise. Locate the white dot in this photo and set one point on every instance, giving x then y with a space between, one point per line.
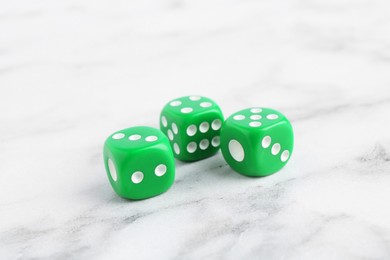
215 141
239 117
134 137
191 130
170 134
176 148
151 138
236 150
255 117
204 127
256 110
112 170
266 142
118 136
216 124
194 98
174 128
176 103
254 124
206 104
160 170
275 149
204 144
137 177
164 121
191 147
284 156
186 110
272 117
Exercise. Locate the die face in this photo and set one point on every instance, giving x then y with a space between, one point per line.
139 162
192 125
257 141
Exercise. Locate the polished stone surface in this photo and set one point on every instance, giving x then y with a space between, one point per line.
73 72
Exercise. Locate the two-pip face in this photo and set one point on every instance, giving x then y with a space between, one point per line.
139 162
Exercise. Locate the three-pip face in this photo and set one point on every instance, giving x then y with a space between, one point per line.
139 162
257 141
192 124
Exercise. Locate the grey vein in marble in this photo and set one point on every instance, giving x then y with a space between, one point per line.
72 72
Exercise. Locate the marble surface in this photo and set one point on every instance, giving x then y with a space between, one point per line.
72 72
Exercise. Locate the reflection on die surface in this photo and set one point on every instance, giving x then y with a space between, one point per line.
257 141
193 125
139 162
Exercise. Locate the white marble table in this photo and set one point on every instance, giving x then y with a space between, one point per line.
72 72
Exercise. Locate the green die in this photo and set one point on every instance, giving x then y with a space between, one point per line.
257 141
139 162
192 124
